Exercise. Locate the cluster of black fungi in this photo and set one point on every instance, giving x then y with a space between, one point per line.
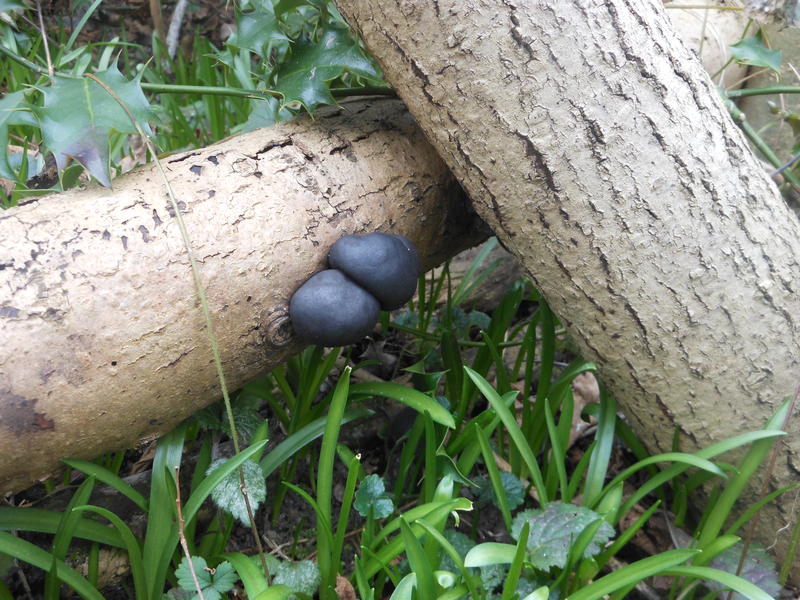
369 273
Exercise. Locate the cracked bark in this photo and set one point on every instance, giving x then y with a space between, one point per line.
103 342
595 146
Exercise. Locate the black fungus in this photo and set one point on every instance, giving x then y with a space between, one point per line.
385 265
331 310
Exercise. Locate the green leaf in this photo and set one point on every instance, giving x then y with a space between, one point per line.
258 29
78 116
265 113
490 553
752 51
372 495
7 5
758 569
14 110
213 582
632 574
554 530
408 396
305 76
227 493
302 577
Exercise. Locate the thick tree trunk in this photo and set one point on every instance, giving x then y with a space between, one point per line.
103 343
595 146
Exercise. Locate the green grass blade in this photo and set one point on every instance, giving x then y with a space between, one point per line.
302 437
249 572
632 574
131 546
490 553
408 396
45 521
31 554
494 475
110 479
737 584
64 535
557 452
161 518
598 464
382 557
514 431
755 507
626 535
454 556
752 461
327 455
418 561
515 569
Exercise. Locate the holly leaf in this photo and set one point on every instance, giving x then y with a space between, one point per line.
78 116
754 52
14 110
258 29
553 531
304 78
265 113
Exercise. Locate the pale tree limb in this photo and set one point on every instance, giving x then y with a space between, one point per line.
103 343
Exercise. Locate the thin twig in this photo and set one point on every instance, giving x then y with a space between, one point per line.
174 31
201 295
182 534
50 68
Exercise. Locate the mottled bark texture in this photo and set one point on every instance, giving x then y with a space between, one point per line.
103 342
593 143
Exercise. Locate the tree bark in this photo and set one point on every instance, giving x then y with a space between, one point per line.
104 344
598 150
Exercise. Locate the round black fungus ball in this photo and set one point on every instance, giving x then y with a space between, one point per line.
385 265
331 310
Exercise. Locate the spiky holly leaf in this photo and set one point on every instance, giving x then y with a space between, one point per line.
754 52
257 29
304 78
78 115
553 531
213 582
14 110
265 113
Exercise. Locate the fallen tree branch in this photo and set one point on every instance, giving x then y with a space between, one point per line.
104 346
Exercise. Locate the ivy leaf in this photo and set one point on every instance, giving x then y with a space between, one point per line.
78 116
371 495
554 529
512 487
14 110
305 76
213 582
258 29
758 569
227 494
754 52
302 577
